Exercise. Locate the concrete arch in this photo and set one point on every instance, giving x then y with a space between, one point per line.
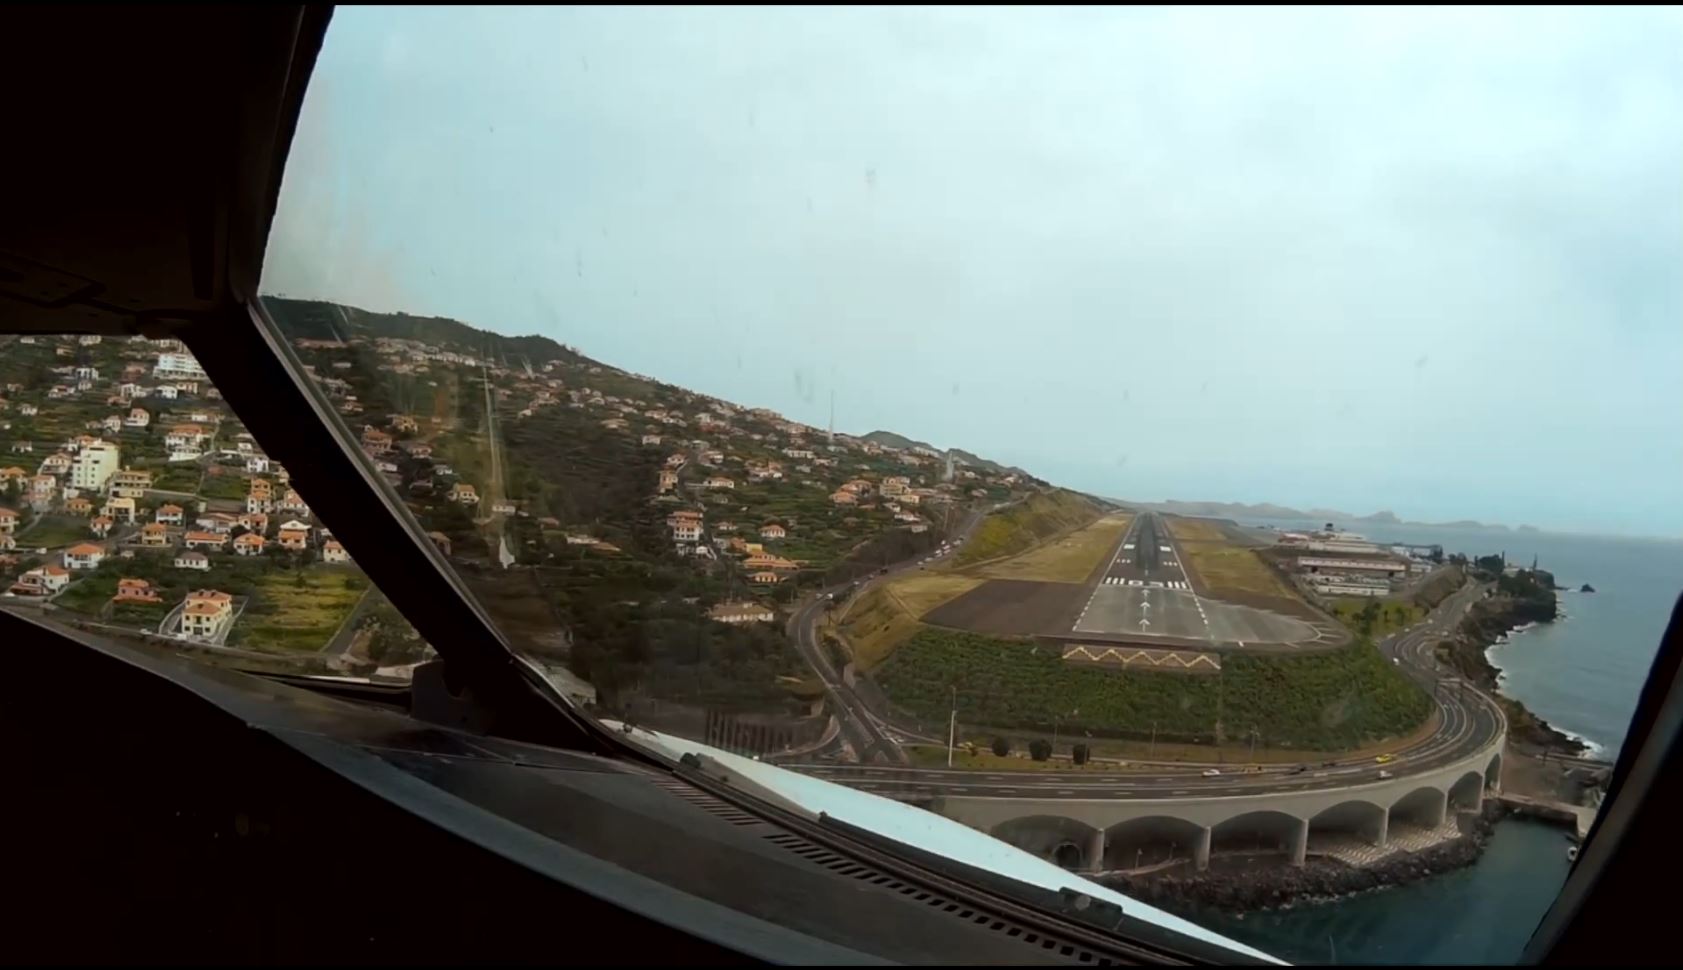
1493 773
1359 817
1055 838
1467 794
1262 831
1423 806
1153 839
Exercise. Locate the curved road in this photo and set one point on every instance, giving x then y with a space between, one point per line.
1467 721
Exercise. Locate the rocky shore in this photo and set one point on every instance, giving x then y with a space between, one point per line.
1249 887
1516 601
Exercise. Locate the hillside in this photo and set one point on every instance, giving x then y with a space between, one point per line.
609 513
1014 529
889 439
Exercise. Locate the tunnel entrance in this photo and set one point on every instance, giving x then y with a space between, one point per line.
1061 841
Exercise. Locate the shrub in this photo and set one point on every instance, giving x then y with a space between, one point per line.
1001 746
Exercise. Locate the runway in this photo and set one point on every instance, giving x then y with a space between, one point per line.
1144 591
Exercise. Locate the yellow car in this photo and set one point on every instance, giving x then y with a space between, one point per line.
1385 759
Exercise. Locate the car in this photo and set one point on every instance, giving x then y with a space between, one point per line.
1383 774
1212 772
1385 759
1397 661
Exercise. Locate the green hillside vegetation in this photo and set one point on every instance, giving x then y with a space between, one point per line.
1324 702
1040 517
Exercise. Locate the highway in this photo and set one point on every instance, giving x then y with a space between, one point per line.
861 729
1467 720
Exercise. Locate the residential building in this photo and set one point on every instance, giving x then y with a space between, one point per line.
254 522
41 581
766 578
94 465
249 544
375 441
463 493
84 555
668 480
54 464
130 483
168 514
8 520
292 503
687 531
78 506
217 522
100 525
154 535
192 560
765 560
178 367
651 439
206 613
135 591
42 488
332 551
186 438
205 540
257 464
296 540
718 481
841 497
138 418
741 613
772 530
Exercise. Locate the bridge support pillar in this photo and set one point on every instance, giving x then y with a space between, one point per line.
1478 799
1300 843
1095 852
1201 850
1440 809
1382 829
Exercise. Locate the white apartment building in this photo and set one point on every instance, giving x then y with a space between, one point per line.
178 367
94 465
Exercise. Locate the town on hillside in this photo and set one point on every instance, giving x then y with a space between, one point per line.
641 540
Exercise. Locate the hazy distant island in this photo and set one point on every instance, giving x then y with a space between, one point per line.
1268 510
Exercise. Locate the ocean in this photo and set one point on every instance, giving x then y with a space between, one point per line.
1582 674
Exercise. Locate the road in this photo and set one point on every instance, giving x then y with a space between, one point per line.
860 728
1467 721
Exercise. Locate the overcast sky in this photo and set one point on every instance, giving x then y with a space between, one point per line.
1427 261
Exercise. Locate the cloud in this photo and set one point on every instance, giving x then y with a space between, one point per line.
1287 255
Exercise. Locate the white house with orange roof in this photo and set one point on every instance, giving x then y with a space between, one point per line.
206 613
84 555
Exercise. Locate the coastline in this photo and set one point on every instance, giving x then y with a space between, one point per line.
1240 887
1249 886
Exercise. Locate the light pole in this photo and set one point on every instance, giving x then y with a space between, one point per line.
952 728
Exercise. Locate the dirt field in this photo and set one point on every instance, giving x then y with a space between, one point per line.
1196 530
1070 559
1012 607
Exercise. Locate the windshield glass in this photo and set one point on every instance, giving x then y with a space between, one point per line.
134 504
1227 454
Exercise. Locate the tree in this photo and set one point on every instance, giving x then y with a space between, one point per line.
1001 746
1078 754
1040 749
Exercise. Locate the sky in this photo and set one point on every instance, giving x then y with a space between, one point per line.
1425 261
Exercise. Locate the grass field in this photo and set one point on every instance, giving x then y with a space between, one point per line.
1067 560
1225 567
1332 701
888 613
284 616
1019 527
1196 530
53 531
